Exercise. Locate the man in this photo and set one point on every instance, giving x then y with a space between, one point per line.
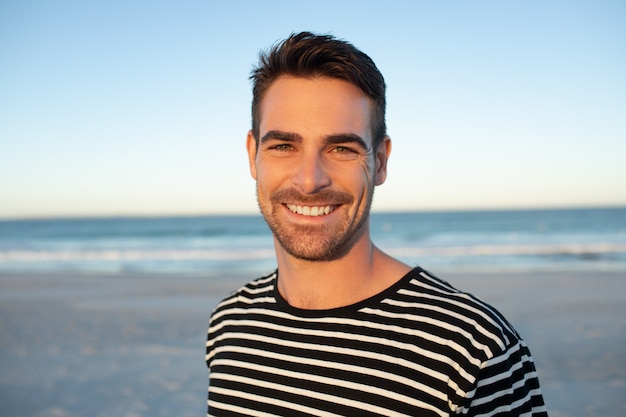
341 328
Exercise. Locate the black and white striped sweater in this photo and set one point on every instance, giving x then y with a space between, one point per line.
419 348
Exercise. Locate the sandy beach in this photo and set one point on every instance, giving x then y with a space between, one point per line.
133 345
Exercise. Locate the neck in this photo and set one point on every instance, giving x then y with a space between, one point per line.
362 273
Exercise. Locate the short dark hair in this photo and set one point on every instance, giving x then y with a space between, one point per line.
309 55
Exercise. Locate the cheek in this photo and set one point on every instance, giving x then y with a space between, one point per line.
361 181
358 175
269 177
368 169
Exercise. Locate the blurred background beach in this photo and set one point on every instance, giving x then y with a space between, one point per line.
127 210
107 316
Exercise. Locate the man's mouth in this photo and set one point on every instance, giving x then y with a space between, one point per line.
312 211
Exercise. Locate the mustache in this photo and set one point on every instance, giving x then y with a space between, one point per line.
324 197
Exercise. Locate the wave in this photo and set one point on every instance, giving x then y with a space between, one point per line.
512 250
578 250
132 255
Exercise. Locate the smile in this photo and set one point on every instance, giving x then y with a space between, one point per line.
310 210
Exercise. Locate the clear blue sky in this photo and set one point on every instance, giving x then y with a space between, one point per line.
142 107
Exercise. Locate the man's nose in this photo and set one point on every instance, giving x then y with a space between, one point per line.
311 174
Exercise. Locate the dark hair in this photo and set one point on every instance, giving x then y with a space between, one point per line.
308 55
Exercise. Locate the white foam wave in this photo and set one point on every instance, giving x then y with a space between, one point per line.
118 255
132 255
501 250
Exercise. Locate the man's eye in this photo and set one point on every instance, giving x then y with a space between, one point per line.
343 149
282 147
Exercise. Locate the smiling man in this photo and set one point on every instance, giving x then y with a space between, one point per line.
341 328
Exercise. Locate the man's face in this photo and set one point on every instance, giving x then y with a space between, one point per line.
314 165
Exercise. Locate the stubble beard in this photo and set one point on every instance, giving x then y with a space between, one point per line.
315 243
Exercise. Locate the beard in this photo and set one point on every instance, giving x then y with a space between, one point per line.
317 243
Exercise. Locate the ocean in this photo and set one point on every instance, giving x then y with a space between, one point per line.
216 245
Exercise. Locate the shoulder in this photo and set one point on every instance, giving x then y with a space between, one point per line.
461 316
505 381
258 291
234 310
467 339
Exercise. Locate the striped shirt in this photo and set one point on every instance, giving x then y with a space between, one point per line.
419 348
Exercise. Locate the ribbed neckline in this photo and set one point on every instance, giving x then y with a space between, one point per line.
344 310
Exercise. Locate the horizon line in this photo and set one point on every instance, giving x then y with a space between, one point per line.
103 216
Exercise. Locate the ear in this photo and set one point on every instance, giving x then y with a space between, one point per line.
382 156
251 146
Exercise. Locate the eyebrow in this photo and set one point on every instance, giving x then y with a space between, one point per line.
345 138
336 139
282 136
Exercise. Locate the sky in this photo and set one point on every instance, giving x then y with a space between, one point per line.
132 108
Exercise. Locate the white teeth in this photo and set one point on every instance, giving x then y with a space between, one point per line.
312 211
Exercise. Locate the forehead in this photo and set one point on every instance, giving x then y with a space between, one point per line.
320 105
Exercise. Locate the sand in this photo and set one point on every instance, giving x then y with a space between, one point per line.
133 345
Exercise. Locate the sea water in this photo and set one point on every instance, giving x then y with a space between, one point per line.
215 245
